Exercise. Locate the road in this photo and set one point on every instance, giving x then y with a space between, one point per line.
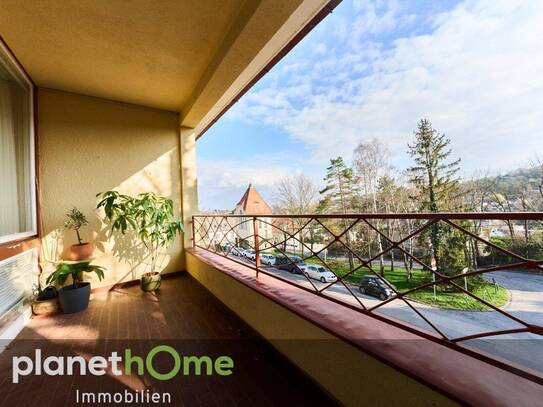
526 303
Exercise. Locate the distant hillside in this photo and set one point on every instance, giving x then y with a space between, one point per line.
511 182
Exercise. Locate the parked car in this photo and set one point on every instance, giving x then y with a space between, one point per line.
293 264
250 254
320 273
267 259
237 251
374 286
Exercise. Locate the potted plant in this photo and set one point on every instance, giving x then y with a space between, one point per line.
45 301
74 297
75 221
150 217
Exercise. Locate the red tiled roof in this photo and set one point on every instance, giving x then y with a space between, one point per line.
252 203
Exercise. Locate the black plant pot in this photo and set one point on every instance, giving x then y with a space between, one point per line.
74 299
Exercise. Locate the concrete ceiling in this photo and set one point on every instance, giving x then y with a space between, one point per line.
178 55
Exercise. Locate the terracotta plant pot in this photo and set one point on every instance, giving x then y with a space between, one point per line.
81 251
150 282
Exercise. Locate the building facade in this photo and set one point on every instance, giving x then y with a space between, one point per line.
252 204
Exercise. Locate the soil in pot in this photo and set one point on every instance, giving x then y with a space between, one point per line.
150 282
74 298
81 251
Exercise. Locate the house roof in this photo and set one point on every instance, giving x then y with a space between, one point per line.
252 203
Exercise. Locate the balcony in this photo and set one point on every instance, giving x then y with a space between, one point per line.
116 98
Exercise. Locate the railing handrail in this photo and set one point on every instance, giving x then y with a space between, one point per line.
537 216
209 226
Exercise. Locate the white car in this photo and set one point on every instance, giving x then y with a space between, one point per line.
320 273
267 259
250 254
237 251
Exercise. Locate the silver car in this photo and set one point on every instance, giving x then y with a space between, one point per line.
320 273
267 259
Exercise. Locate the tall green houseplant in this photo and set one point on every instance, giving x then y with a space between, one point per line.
149 216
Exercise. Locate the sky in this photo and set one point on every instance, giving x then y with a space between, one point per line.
372 69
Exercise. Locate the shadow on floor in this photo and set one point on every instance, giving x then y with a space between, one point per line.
182 315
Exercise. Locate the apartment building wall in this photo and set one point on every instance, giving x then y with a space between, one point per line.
89 145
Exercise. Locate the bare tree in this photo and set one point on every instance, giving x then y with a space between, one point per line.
390 195
297 195
504 203
477 194
371 162
525 203
537 163
406 204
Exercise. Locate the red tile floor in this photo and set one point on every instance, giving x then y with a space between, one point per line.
182 314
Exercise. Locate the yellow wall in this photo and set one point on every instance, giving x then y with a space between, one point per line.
89 145
189 180
348 374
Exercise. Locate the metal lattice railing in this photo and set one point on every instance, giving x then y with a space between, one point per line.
464 279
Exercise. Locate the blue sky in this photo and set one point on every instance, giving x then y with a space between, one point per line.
371 70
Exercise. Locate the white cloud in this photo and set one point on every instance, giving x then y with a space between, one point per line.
375 17
223 182
476 76
230 178
320 48
237 174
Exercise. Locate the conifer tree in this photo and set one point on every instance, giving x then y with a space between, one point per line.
340 193
433 176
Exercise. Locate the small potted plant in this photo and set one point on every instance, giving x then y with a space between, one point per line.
74 297
75 221
45 301
150 217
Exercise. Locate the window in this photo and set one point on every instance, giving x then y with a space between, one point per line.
17 169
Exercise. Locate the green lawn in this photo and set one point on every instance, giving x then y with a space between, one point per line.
445 296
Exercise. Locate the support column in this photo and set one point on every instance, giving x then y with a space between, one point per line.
189 181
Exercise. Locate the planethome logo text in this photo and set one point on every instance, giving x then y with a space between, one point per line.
121 364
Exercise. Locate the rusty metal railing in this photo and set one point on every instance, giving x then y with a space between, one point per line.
432 274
